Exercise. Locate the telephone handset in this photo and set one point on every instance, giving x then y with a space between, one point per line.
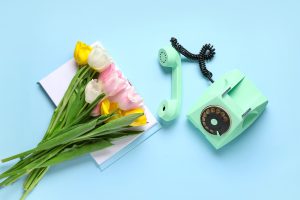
170 109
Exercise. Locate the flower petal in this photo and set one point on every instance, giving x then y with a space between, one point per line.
127 99
81 53
141 121
92 90
99 59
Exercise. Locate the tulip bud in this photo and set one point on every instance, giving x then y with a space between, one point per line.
98 59
92 90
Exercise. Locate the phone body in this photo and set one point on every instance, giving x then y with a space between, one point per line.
227 108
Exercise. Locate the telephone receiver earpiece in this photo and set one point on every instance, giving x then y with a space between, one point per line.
170 109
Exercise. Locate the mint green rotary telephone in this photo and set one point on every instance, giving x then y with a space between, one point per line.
227 108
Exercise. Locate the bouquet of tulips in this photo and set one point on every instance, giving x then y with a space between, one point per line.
99 105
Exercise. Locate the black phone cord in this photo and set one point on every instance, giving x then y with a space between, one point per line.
206 53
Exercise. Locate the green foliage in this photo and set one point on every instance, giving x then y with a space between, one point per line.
72 132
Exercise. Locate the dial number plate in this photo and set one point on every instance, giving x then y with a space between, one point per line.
215 120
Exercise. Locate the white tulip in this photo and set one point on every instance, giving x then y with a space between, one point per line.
99 59
92 90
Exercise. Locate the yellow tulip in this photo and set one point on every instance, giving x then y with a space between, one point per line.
142 120
108 107
81 53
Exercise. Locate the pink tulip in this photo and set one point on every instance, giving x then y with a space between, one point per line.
96 110
127 99
113 80
118 89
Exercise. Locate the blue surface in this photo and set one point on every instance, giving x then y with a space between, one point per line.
261 38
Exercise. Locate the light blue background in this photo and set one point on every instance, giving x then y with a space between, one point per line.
260 38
